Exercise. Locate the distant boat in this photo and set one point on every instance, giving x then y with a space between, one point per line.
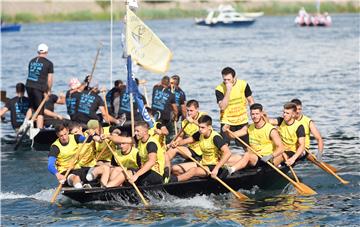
10 27
226 16
305 19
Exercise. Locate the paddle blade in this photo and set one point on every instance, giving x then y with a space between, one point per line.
305 190
241 196
330 167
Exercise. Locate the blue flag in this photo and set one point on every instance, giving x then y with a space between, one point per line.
132 88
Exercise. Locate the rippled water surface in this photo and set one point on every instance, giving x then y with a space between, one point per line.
280 62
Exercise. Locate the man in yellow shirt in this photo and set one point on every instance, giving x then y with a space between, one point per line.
310 127
264 138
232 96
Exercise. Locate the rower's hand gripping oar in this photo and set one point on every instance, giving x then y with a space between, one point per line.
30 124
326 168
301 190
127 176
238 195
75 159
303 186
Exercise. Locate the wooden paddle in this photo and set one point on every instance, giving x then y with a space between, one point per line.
33 118
238 195
326 168
95 61
75 159
304 187
127 175
106 108
316 162
298 187
175 128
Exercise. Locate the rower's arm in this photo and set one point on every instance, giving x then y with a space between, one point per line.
185 141
107 116
250 100
3 111
52 114
317 136
276 139
50 82
183 111
301 147
147 165
175 110
226 153
119 139
225 101
239 133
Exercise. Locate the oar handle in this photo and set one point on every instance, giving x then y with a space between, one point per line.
56 193
95 61
127 175
239 195
179 133
291 169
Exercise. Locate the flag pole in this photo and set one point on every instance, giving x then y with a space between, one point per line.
129 62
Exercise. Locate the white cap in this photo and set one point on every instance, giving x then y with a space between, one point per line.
74 83
42 48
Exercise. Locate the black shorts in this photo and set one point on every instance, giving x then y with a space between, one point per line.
80 172
234 128
194 155
35 96
223 172
260 163
150 178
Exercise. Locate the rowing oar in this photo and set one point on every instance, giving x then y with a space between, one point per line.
95 61
317 162
298 187
34 116
304 187
58 189
239 195
326 168
127 175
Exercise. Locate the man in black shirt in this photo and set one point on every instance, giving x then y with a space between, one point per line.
112 94
39 81
18 106
180 97
51 116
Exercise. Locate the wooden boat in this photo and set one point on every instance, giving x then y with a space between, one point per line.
10 27
262 177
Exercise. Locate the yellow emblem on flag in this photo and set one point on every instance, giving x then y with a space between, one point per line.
145 48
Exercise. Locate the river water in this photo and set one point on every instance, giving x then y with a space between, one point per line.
320 66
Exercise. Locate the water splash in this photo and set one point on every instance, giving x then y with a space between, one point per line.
43 195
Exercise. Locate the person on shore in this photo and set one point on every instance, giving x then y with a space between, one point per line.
39 81
190 127
232 96
163 100
215 152
264 139
310 127
19 107
292 133
151 155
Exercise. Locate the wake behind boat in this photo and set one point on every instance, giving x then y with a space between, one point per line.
226 16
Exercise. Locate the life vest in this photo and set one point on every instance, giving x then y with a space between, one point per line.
235 113
305 121
87 156
190 130
127 160
160 155
106 155
159 138
66 154
259 139
288 135
210 153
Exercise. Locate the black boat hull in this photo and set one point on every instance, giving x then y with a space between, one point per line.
263 178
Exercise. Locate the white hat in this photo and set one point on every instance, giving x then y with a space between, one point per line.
74 83
42 48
